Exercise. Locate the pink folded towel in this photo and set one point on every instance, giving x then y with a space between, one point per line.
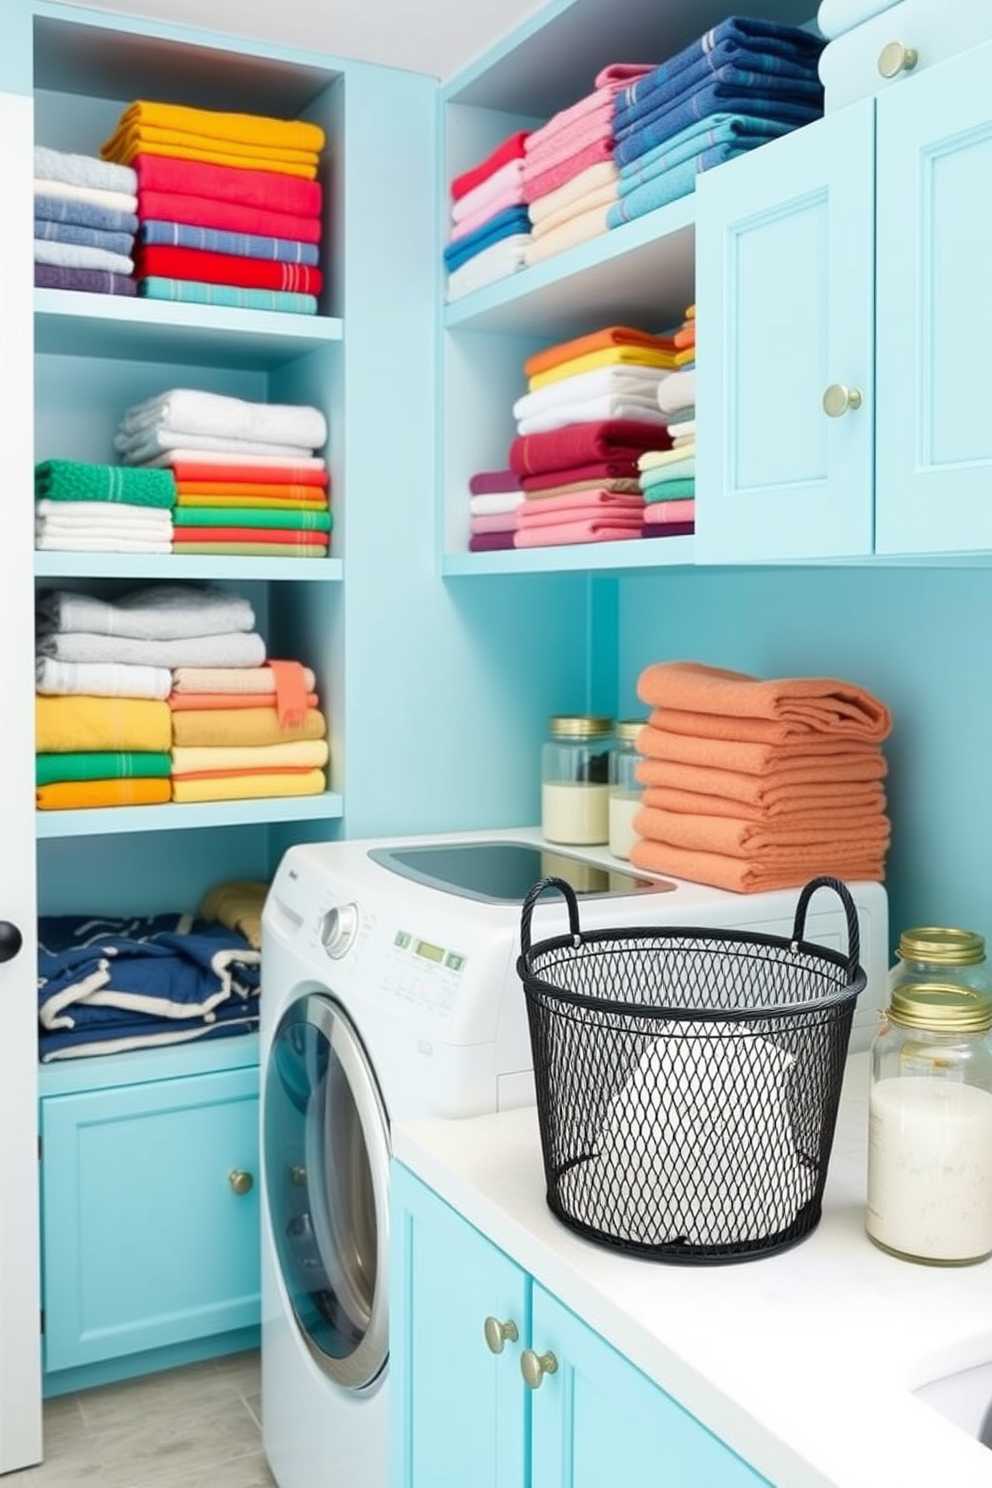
592 529
556 175
493 522
660 513
597 502
504 179
510 196
569 140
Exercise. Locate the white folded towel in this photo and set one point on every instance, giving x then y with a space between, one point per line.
162 612
146 446
592 410
237 649
83 170
114 201
496 262
79 256
101 679
240 456
494 503
64 542
623 380
677 391
191 411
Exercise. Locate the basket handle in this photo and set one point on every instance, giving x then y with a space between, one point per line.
533 894
850 914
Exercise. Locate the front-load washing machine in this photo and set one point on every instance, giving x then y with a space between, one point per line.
390 992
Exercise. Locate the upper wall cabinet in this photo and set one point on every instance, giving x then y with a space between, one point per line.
845 316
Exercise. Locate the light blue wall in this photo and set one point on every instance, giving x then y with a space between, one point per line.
918 638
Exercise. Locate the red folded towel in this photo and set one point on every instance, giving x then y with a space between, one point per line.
582 444
168 262
509 149
208 211
273 190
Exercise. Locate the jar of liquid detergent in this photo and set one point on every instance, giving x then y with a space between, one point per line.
575 780
625 788
930 1124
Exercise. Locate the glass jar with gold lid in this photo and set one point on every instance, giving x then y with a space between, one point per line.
930 1124
938 953
575 779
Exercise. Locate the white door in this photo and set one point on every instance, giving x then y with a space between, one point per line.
20 1341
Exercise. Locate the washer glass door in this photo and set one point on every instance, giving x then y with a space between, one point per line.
326 1143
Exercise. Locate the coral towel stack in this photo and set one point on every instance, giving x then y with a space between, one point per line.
752 784
229 205
248 480
85 219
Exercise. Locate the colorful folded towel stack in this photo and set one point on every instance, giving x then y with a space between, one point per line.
489 223
248 480
85 219
742 83
229 205
668 477
109 985
590 413
494 500
752 784
86 508
569 175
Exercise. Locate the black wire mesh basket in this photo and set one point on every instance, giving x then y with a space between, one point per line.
688 1079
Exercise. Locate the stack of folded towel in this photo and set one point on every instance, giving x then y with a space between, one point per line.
569 175
494 500
247 477
590 412
753 784
85 219
229 206
742 83
109 985
668 477
88 508
489 223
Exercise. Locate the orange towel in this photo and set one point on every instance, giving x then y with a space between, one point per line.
601 340
824 753
803 705
207 492
845 804
771 843
745 876
798 785
72 795
180 702
241 727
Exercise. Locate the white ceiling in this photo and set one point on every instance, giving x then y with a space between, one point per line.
439 37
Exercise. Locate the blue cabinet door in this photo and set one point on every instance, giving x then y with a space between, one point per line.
457 1410
784 285
934 310
150 1236
598 1420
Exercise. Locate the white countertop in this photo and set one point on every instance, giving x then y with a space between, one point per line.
804 1362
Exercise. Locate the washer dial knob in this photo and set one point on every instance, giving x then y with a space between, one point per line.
338 929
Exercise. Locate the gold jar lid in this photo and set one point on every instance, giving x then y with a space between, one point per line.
569 726
942 946
628 730
941 1008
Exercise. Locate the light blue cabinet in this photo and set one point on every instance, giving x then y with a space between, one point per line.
554 1407
846 314
150 1225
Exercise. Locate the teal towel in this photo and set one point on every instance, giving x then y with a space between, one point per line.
198 293
670 490
77 480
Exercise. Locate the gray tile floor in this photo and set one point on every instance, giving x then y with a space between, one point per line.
197 1427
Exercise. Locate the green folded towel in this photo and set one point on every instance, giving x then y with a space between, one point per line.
670 490
76 480
99 764
255 516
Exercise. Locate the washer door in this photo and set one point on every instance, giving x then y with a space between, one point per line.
326 1144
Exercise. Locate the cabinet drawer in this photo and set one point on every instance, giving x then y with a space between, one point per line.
145 1240
850 67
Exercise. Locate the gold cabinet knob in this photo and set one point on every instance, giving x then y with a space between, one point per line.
896 58
498 1333
534 1367
839 399
240 1181
298 1175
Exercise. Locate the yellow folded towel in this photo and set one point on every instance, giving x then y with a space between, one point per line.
126 152
79 722
137 137
308 753
240 787
257 129
240 728
238 904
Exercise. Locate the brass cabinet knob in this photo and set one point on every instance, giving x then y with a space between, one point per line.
498 1333
896 58
839 398
534 1367
241 1181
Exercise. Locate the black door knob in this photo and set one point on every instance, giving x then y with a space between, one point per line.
11 940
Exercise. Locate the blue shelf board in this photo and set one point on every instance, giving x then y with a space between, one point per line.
643 555
139 1066
104 820
167 567
73 323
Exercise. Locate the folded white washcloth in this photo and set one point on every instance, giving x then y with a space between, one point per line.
83 170
494 503
65 542
191 411
79 256
162 612
101 679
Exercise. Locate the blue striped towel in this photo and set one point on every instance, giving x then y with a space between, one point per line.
716 129
197 292
718 98
87 237
83 213
221 240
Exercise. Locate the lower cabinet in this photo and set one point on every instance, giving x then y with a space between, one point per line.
150 1215
496 1384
